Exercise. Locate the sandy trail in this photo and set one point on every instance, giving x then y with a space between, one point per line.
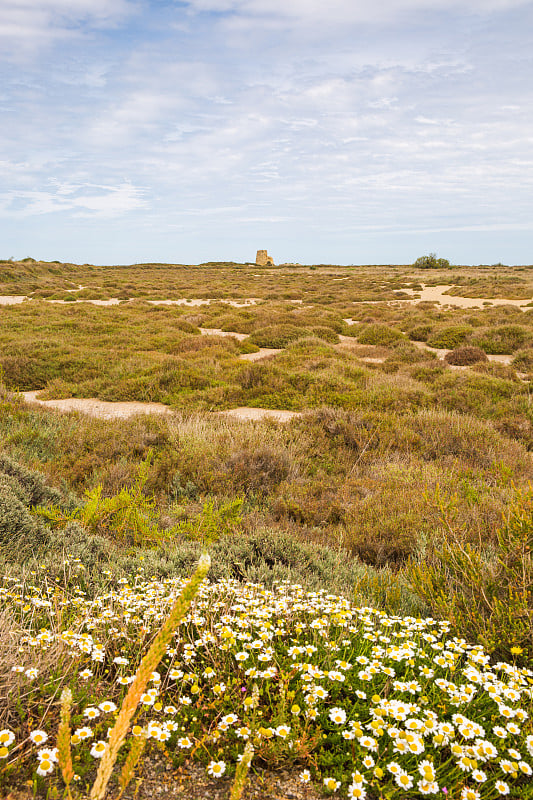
441 353
250 301
220 332
258 414
435 294
103 409
432 294
264 352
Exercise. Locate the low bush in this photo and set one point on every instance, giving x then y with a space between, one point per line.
278 336
485 592
420 333
502 339
258 470
378 334
431 262
523 360
464 356
326 333
449 337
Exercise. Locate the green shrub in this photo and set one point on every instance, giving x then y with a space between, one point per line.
464 356
379 334
450 337
278 336
32 486
129 516
503 339
485 593
431 262
326 333
20 533
420 333
523 360
258 470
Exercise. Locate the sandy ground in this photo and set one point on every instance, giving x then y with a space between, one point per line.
113 301
260 414
220 332
104 409
113 410
264 352
250 301
435 294
441 353
99 408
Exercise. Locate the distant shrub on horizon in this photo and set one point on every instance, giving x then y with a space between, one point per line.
431 262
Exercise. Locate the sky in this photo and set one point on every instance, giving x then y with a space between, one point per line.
326 131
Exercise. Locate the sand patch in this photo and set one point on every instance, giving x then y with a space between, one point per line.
435 294
103 409
113 301
219 332
347 341
11 299
250 301
258 414
264 352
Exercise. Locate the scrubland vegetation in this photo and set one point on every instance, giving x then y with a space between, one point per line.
367 620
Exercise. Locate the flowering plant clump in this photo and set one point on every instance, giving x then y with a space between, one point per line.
362 703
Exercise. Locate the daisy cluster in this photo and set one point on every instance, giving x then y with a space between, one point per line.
369 704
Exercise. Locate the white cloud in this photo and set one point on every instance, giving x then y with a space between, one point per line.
348 11
88 200
32 23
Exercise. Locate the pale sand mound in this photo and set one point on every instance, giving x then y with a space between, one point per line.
113 301
435 294
251 301
261 413
11 299
220 332
263 352
99 408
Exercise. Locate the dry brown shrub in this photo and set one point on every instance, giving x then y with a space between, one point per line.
464 356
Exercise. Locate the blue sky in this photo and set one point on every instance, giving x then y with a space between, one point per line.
338 131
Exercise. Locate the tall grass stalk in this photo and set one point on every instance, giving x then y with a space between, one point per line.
146 667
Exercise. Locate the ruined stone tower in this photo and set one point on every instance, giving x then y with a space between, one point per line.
262 259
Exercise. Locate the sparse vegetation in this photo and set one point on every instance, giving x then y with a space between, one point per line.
403 486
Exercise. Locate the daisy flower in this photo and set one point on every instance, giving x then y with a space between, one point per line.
338 716
98 749
501 787
428 787
46 766
38 737
7 737
216 768
107 706
403 780
470 794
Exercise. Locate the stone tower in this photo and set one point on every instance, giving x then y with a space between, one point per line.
262 259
